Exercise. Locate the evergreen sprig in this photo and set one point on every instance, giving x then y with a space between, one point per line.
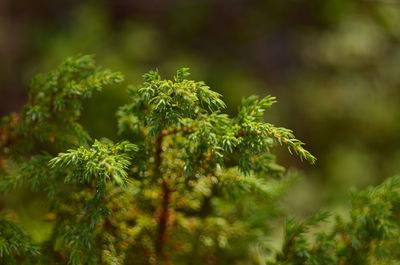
54 105
15 244
189 185
101 163
369 237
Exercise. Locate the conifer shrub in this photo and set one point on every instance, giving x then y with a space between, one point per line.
187 184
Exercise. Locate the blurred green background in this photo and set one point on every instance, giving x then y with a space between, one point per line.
333 64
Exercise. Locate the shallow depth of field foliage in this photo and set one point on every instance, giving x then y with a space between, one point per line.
184 184
333 64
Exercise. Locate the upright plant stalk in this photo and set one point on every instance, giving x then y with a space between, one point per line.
163 221
163 218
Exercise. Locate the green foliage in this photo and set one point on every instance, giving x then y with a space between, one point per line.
15 245
97 164
369 237
54 106
189 185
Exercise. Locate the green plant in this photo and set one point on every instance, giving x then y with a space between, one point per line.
187 185
371 236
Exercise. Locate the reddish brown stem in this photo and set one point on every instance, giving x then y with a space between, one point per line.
163 221
166 197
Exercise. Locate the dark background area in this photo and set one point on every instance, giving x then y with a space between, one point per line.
333 64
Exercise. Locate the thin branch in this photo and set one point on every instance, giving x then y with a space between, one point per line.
166 197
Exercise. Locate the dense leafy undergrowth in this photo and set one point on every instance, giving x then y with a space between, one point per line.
186 185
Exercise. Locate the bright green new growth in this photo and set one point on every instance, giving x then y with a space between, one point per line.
190 185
